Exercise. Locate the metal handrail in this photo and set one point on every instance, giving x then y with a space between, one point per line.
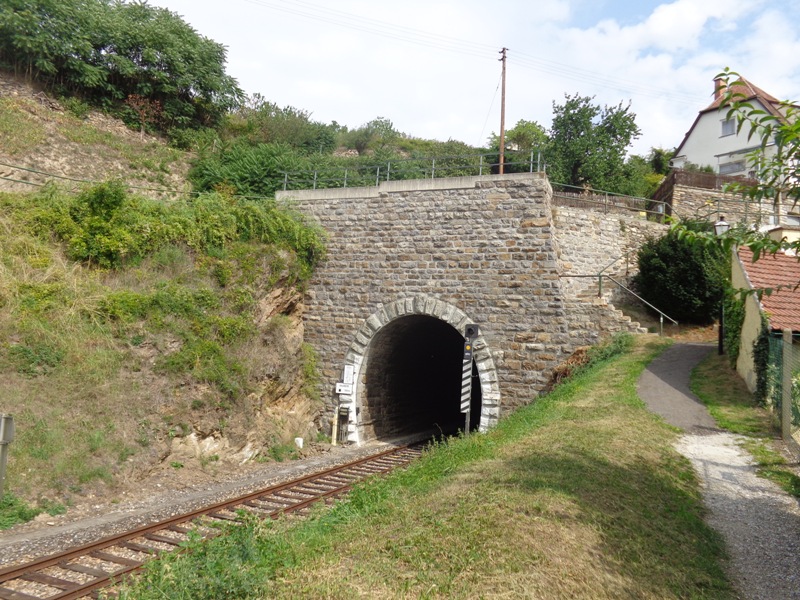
638 297
600 276
608 266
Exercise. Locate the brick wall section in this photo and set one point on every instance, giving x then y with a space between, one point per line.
473 249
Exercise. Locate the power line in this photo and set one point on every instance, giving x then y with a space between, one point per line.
309 10
488 114
54 176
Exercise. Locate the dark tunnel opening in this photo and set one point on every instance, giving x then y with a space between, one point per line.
413 380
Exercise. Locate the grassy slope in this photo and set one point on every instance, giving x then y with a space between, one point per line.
578 495
731 404
104 368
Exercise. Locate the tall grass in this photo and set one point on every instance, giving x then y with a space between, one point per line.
580 495
120 315
734 408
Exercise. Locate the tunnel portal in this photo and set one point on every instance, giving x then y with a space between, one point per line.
413 380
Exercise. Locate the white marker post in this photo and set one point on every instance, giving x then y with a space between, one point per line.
470 333
6 437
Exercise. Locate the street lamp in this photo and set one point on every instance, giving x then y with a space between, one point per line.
721 227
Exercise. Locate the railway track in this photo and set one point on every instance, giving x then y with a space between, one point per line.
84 570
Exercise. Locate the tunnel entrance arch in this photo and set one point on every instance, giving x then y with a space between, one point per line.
406 362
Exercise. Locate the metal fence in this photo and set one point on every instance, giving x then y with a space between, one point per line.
578 197
333 176
783 381
361 175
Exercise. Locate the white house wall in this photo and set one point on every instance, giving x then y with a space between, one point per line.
706 145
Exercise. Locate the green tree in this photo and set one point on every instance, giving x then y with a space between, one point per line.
638 178
588 143
659 160
110 50
777 170
522 139
524 136
262 122
685 280
379 133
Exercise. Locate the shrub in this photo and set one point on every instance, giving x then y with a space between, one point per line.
685 280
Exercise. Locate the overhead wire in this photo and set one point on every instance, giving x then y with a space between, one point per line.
485 51
55 176
488 114
177 193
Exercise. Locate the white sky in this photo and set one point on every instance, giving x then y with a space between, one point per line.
432 68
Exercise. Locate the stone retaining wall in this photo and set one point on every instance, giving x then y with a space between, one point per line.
592 241
489 250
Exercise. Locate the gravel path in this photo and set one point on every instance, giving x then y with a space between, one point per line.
760 522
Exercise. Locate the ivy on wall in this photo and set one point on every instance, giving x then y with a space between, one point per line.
761 363
733 307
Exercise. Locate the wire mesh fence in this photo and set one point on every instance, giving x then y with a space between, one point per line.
783 381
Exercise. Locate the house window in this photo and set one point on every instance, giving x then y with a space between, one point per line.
731 167
728 127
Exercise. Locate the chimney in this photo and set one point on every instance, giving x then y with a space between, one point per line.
719 88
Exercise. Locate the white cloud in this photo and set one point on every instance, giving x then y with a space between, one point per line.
431 66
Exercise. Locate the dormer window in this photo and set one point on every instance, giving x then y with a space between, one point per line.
728 127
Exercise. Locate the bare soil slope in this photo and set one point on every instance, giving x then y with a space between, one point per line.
43 139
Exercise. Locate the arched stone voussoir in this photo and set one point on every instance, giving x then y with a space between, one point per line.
425 305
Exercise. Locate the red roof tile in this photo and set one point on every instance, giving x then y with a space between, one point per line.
746 91
782 307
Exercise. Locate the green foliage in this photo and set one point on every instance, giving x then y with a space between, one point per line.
733 311
375 135
659 158
36 358
639 179
617 345
105 226
524 136
14 511
235 566
685 280
311 375
695 168
282 452
777 171
588 143
761 363
249 170
75 106
108 51
257 121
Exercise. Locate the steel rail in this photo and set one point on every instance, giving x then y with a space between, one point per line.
279 499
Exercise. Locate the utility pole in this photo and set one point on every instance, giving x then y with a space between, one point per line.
503 110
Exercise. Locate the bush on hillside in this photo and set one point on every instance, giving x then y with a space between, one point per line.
685 280
106 227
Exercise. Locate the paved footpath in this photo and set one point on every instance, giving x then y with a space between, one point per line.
760 522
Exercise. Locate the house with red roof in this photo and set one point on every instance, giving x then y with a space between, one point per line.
713 139
779 276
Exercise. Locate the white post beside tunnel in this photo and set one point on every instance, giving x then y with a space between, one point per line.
6 437
470 333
